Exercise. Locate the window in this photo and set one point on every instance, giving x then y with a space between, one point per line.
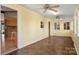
42 24
67 26
57 26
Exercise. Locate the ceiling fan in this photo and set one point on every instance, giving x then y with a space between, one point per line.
50 7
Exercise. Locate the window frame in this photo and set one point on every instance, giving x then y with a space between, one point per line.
56 25
66 25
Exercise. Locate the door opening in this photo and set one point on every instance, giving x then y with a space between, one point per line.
8 30
49 29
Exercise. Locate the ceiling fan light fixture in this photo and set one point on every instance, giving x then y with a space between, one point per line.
55 13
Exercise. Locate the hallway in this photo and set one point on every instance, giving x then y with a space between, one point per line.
31 29
56 45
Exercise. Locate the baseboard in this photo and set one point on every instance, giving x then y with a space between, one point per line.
75 44
76 49
32 43
9 51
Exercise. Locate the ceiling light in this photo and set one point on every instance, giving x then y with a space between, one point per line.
55 13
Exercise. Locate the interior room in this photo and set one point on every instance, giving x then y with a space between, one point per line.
8 29
40 29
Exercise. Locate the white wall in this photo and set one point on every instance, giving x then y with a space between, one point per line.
78 23
75 35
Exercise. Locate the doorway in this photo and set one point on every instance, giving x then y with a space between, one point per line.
49 29
8 30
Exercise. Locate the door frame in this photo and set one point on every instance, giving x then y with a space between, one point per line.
16 32
0 31
49 29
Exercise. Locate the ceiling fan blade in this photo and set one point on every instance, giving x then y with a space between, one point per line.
56 6
53 10
45 10
46 5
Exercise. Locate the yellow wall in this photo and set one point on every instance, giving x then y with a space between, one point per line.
37 33
29 30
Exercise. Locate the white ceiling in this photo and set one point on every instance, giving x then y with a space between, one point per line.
63 9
